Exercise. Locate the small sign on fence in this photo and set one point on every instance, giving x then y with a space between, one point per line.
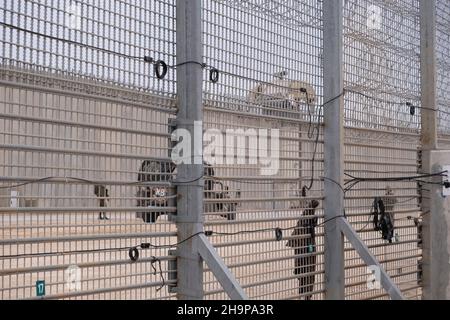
40 288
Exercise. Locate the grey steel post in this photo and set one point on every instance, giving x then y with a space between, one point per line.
190 184
428 73
333 137
429 135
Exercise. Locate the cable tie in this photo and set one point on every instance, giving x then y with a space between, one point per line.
149 59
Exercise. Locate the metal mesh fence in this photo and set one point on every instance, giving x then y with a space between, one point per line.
267 52
85 144
382 79
443 57
98 40
84 148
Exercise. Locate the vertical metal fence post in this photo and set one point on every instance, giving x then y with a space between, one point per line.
429 133
190 183
333 137
428 73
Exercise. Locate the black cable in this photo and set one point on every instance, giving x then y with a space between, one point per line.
201 64
313 159
443 184
237 233
168 246
48 179
276 230
132 251
160 67
367 224
155 272
335 182
27 183
378 99
412 108
42 254
214 73
68 41
310 132
331 219
356 180
316 142
151 60
137 183
407 200
190 181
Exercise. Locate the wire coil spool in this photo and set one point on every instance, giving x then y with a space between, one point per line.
161 69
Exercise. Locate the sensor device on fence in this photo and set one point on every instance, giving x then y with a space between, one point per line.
133 253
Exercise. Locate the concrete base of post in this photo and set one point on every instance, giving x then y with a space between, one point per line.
436 230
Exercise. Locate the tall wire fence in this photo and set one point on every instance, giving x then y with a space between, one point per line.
266 54
80 107
382 76
85 144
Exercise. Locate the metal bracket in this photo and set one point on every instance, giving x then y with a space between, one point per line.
220 270
365 254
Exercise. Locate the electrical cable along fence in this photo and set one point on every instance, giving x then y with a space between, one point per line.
94 206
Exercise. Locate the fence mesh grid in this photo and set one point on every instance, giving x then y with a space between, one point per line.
267 51
382 75
80 107
85 143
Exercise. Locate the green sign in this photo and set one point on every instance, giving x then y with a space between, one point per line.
40 288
